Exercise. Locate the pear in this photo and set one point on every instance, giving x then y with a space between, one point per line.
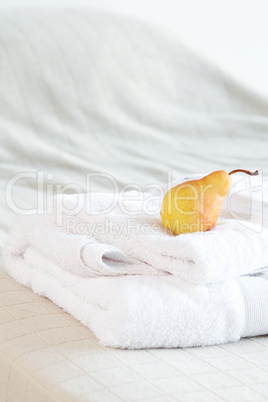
195 206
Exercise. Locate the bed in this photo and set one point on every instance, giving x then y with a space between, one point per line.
91 101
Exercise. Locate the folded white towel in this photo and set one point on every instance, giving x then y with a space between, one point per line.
255 292
143 311
79 254
134 311
139 286
232 248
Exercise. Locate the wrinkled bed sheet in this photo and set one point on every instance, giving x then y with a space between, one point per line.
85 92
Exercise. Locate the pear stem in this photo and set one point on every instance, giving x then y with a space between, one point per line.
245 171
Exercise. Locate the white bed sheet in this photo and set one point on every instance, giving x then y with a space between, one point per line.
84 92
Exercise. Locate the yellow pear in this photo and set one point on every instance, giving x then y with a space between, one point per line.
195 206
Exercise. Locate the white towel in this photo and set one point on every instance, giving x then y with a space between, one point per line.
137 311
132 223
141 286
145 311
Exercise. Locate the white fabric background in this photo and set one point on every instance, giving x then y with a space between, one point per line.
231 33
83 92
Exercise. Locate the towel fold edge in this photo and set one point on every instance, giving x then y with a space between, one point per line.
255 292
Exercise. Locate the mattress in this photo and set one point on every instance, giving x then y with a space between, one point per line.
94 101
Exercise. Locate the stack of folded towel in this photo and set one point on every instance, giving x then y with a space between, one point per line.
107 259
